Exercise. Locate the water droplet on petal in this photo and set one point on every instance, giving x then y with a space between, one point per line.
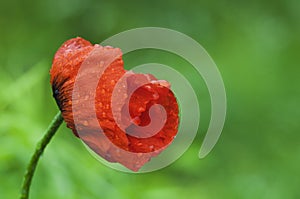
141 109
148 87
85 123
155 96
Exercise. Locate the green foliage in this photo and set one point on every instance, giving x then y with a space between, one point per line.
255 45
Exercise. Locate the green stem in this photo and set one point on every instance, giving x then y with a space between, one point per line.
39 149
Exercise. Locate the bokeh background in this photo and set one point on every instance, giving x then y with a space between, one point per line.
256 46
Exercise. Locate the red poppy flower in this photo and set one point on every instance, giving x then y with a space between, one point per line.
122 106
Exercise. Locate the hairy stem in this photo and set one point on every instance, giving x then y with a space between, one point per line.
40 147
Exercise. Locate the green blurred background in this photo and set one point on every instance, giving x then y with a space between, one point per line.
256 46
